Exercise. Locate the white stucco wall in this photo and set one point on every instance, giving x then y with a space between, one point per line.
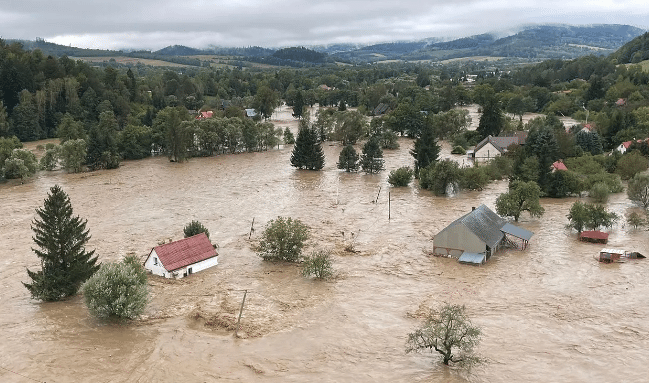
150 265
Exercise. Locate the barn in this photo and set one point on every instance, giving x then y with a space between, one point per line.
182 258
477 235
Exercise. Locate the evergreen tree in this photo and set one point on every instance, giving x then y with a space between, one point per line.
24 119
543 144
4 121
372 157
61 238
298 105
426 150
348 159
492 119
307 152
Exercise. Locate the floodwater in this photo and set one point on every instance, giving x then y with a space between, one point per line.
548 314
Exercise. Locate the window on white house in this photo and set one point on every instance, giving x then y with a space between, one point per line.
155 261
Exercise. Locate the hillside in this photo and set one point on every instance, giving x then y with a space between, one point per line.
534 42
635 51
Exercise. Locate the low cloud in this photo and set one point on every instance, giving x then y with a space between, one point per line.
151 24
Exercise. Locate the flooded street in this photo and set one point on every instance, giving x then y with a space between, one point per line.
548 314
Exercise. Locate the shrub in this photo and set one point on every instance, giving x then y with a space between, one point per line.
49 159
599 192
283 240
400 177
318 264
117 290
195 227
439 176
289 138
474 178
500 167
634 219
631 164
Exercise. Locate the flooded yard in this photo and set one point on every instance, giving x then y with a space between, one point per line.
548 314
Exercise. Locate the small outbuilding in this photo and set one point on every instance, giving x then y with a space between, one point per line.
611 255
594 236
183 257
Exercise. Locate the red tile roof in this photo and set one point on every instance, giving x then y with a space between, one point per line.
558 165
184 252
204 115
593 234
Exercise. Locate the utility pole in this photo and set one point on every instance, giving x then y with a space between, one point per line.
252 227
236 332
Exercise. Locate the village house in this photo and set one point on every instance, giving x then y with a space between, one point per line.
491 147
182 258
558 166
477 235
205 115
623 147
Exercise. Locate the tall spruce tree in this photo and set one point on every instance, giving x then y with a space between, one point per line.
372 157
492 118
61 240
426 150
307 152
348 159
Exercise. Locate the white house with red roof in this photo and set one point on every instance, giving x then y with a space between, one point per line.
181 258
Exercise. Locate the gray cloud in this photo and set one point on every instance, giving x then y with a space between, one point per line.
156 24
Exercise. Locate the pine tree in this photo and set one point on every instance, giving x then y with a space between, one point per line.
372 158
298 105
426 150
492 119
61 238
307 152
348 159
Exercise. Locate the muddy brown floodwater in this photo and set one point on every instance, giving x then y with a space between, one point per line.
548 314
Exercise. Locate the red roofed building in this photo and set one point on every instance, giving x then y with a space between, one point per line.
593 236
205 115
558 165
181 258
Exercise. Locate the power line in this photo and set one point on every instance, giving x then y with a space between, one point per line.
19 374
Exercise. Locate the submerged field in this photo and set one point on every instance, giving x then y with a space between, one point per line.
551 313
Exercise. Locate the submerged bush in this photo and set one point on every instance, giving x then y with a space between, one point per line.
400 177
117 290
318 264
195 227
283 240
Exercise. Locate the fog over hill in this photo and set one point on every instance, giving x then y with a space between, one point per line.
529 42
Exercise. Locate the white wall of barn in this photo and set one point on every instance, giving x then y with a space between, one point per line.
158 269
487 152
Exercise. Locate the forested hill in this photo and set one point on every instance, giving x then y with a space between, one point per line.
534 42
300 54
634 51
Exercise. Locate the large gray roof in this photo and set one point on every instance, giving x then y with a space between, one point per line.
484 223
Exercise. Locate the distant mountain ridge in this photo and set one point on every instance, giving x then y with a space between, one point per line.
530 42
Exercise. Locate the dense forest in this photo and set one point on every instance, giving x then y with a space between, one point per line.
105 114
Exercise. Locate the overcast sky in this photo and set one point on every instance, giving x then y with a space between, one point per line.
155 24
